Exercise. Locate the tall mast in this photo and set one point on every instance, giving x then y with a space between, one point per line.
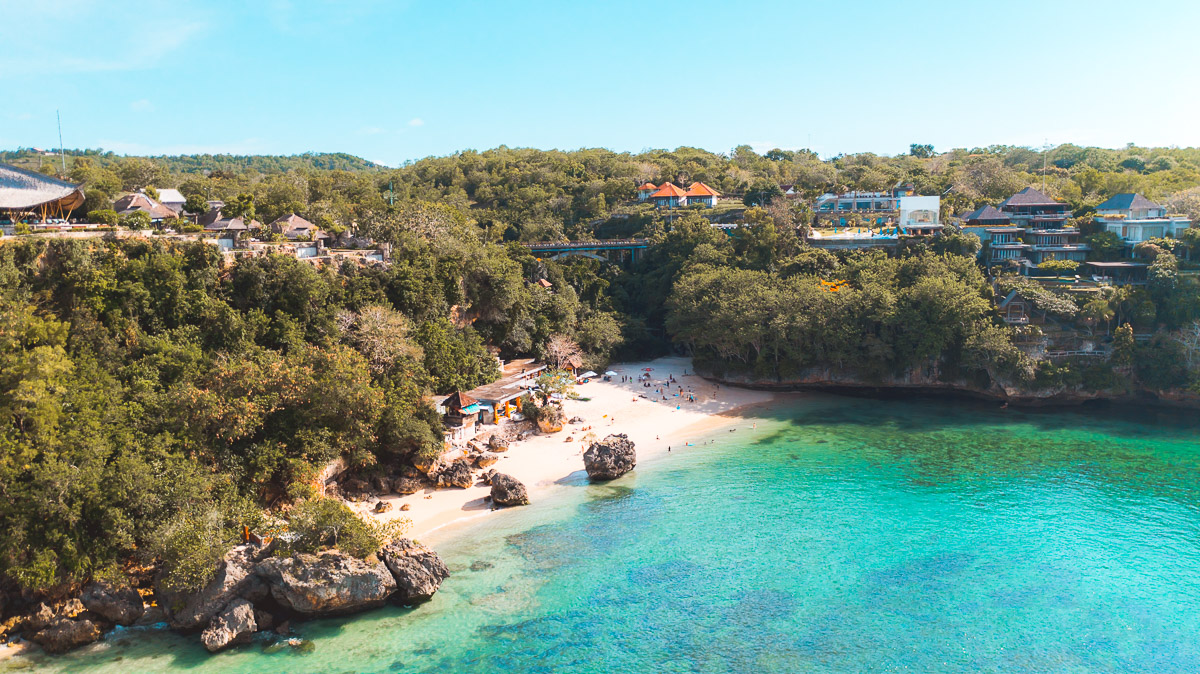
61 154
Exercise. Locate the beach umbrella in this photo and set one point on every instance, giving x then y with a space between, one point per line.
588 374
610 373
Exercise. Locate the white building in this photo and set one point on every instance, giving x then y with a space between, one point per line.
1135 218
920 213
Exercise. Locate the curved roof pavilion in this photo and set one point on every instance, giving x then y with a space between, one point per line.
30 193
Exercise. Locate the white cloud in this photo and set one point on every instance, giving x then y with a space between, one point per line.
416 121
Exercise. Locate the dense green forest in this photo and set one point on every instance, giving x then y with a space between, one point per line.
154 396
527 194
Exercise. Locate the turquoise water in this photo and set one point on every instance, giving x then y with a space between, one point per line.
841 534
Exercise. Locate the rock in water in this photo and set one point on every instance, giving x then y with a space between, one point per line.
508 490
331 583
63 634
234 577
417 569
610 458
234 625
121 605
457 474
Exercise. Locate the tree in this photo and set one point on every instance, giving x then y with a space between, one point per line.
135 220
761 193
1124 347
104 216
195 204
561 350
920 151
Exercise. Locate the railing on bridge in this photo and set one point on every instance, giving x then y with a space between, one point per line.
588 245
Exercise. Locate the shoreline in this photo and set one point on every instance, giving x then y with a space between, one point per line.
546 462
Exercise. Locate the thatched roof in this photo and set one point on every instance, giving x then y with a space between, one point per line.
141 202
22 190
294 227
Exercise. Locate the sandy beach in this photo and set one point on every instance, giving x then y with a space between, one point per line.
542 461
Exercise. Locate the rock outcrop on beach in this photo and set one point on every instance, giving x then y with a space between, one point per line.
249 589
234 577
610 458
508 490
120 605
330 583
235 625
456 474
64 634
497 443
417 570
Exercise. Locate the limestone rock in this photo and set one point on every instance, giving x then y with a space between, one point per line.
382 506
153 615
457 474
496 443
63 634
42 616
486 459
508 490
610 458
418 571
382 485
406 485
189 611
331 583
405 506
234 625
120 605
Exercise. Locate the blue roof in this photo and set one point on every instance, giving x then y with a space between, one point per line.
1125 202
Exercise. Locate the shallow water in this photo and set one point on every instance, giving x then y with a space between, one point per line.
841 534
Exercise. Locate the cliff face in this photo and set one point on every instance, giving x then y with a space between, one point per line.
929 380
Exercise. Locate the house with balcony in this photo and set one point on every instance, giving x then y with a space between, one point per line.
699 193
1055 244
1001 239
1031 209
1135 219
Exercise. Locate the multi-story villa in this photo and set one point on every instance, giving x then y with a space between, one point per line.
1001 238
1055 244
1135 218
1031 209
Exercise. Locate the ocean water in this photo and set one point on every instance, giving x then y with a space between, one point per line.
841 534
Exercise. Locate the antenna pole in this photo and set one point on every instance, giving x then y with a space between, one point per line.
61 154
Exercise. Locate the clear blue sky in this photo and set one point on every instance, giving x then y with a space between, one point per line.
392 81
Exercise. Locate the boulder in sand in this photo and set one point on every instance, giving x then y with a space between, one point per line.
508 490
610 458
496 443
418 571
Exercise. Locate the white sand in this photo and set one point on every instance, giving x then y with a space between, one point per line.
540 462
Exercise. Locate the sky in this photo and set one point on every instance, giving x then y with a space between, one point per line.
393 81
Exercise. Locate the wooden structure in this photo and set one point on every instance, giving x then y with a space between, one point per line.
27 196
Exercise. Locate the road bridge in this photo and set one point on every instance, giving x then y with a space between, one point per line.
617 251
